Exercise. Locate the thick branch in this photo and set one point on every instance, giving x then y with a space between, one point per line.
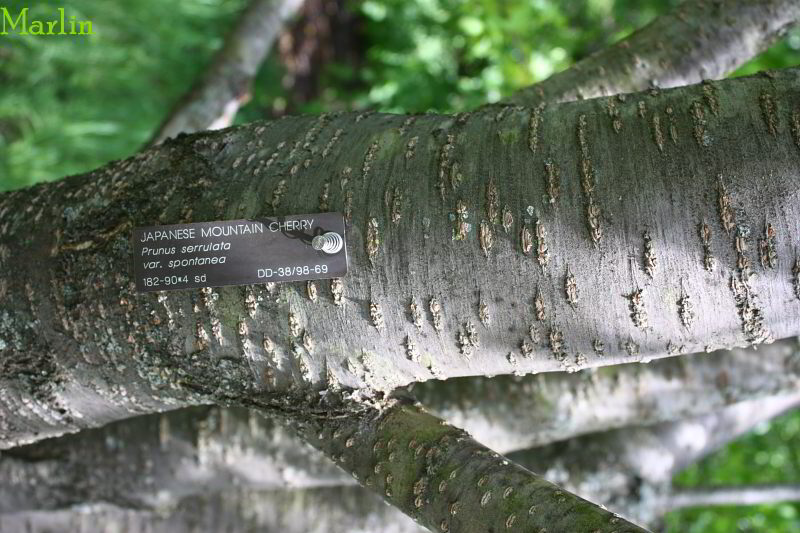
508 413
698 40
444 479
172 462
197 450
603 260
161 459
213 101
325 510
630 470
734 495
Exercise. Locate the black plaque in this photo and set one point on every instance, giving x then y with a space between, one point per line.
239 252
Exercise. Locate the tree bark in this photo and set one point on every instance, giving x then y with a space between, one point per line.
213 101
160 460
699 40
630 470
618 274
444 479
195 451
734 495
325 510
508 413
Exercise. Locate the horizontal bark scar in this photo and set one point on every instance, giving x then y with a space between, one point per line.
460 220
711 97
468 339
699 122
486 237
102 237
752 318
447 168
769 112
542 250
411 147
614 114
533 127
324 197
508 219
673 127
369 157
552 181
311 291
415 314
796 277
571 288
373 240
726 214
637 310
337 291
277 195
403 129
396 205
593 211
376 315
538 307
435 308
484 313
795 129
767 250
705 237
686 311
332 142
526 240
650 259
491 201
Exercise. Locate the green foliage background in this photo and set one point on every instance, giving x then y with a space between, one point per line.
68 105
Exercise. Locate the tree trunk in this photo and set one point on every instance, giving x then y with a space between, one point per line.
699 40
345 510
213 101
620 270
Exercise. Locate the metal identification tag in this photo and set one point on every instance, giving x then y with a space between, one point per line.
239 252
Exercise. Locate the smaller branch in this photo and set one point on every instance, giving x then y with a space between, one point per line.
698 40
741 495
165 458
444 479
321 510
214 100
630 470
508 413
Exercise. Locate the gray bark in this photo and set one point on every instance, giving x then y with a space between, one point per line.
630 470
734 495
699 40
445 480
508 413
618 264
346 510
198 451
325 510
160 460
213 101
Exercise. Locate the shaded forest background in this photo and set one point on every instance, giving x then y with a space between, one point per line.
69 105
